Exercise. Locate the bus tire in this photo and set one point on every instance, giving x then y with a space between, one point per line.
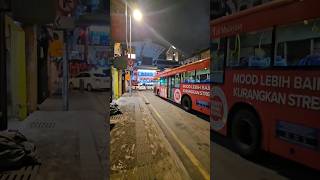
186 103
246 133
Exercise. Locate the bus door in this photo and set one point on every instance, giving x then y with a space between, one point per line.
171 87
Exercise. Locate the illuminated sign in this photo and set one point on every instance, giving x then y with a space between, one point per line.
133 56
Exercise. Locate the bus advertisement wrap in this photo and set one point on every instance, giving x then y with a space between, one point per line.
219 108
269 73
197 89
274 86
188 85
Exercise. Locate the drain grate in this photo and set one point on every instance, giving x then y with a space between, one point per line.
48 125
116 117
25 173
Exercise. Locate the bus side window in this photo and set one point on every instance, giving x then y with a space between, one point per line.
233 58
163 81
298 44
177 81
218 52
190 77
281 58
203 76
252 49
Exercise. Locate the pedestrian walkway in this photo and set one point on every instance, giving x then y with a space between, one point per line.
139 149
73 144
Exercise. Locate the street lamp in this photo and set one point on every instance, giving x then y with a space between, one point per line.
137 15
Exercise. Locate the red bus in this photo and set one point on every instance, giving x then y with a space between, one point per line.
187 85
265 71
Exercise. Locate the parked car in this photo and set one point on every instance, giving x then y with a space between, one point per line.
91 81
149 86
141 87
134 86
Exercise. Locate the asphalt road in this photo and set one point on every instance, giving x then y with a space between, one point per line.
229 165
190 137
139 148
187 133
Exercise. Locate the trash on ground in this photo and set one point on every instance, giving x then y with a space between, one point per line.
114 109
16 151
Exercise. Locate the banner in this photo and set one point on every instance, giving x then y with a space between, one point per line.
98 56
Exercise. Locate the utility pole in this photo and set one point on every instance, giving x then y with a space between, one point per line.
128 46
130 58
3 74
126 13
66 72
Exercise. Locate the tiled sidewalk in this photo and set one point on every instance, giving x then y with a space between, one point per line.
70 145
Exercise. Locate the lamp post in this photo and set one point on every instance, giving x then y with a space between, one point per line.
130 82
137 15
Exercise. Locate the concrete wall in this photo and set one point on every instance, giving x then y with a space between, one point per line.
16 70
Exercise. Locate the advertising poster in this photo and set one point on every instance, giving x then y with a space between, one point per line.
56 45
79 36
98 56
77 53
98 36
146 76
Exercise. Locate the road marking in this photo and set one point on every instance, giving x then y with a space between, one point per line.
188 152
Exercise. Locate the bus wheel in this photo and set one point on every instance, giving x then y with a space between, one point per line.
186 103
246 133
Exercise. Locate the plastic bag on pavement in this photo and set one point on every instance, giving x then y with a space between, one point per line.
16 151
114 109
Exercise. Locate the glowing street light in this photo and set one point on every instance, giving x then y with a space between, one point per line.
137 15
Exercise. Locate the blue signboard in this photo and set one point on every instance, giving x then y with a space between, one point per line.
98 38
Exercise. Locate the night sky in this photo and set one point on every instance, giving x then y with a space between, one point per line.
182 23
